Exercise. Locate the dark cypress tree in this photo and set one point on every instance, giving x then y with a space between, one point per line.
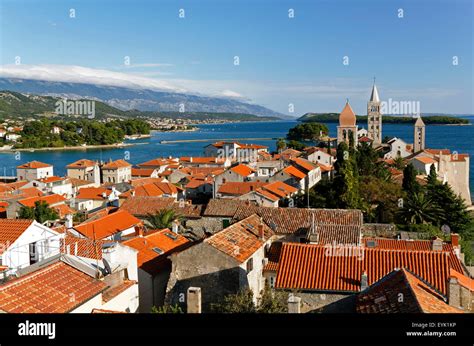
409 184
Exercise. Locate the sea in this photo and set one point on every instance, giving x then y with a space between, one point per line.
456 138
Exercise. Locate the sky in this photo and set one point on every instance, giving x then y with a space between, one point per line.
285 64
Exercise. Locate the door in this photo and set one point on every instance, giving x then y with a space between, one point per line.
33 253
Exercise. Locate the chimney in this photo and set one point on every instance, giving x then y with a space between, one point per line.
261 232
191 159
69 220
194 300
294 304
175 226
139 231
455 239
364 281
454 292
437 244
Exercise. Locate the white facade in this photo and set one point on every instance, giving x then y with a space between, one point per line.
117 175
36 243
398 148
34 173
321 157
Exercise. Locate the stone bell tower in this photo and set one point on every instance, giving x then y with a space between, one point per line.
419 136
374 117
347 128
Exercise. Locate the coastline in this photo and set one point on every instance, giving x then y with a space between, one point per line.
87 147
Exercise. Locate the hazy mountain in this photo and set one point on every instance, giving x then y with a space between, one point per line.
141 99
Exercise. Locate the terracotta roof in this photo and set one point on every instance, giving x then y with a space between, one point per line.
83 163
224 207
49 290
114 291
51 179
108 225
425 160
240 240
197 182
203 160
305 164
347 116
459 157
33 165
252 146
325 168
294 172
116 164
273 256
49 199
365 139
206 171
82 247
149 190
437 151
64 210
413 245
291 220
93 193
143 206
156 163
463 280
152 246
242 170
267 194
11 230
314 267
418 296
289 153
280 189
240 188
142 181
142 172
338 234
79 182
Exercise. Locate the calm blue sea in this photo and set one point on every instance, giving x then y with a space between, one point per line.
459 138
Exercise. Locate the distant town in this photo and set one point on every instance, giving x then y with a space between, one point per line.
339 222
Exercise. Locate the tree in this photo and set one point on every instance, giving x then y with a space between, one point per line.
167 309
432 179
295 145
240 302
419 209
307 132
410 184
346 181
272 302
399 163
40 212
281 144
163 219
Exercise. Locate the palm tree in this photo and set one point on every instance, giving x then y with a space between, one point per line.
163 219
419 209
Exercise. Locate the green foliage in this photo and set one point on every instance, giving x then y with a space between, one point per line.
242 302
418 208
167 309
410 185
307 132
163 219
434 119
37 134
281 144
40 212
295 145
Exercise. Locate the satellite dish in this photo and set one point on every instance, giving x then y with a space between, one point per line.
446 229
108 269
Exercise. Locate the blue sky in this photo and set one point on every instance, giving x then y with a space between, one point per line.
282 60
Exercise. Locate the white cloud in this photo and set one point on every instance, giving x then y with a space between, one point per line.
230 93
79 74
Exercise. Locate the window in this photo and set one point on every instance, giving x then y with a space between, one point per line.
272 281
33 253
249 265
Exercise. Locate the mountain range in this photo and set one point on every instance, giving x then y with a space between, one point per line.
125 99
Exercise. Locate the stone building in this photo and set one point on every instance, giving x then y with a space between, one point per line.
419 136
347 128
374 117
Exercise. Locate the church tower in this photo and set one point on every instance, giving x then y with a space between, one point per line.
374 117
347 126
419 136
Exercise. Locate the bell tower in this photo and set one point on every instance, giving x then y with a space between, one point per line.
419 136
374 117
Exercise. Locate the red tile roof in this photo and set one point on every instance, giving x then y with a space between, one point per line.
294 172
143 206
108 225
224 207
83 163
413 245
425 159
50 200
240 240
280 189
51 179
291 220
242 170
365 139
164 242
142 172
82 247
463 280
11 230
338 234
33 165
240 188
116 164
418 296
142 181
157 163
95 193
305 164
49 290
202 160
322 268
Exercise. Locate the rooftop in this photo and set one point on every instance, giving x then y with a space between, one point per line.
108 225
